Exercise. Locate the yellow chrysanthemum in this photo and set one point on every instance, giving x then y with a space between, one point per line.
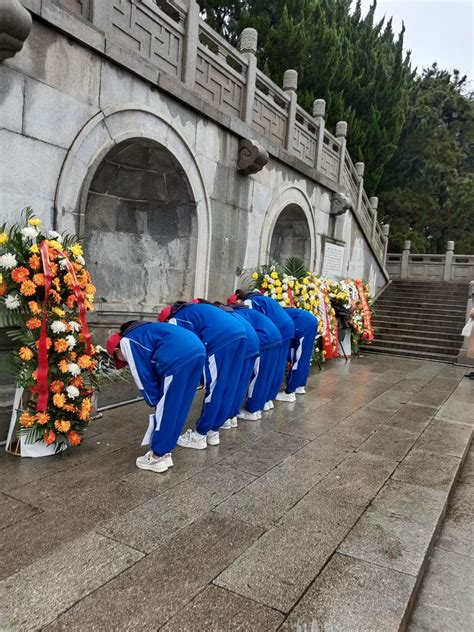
76 250
58 311
254 275
34 248
3 238
35 221
274 275
52 243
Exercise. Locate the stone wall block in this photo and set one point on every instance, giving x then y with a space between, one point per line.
11 99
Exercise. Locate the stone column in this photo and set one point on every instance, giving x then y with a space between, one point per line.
386 232
248 48
448 262
374 203
319 112
405 259
360 169
15 26
290 85
341 135
191 38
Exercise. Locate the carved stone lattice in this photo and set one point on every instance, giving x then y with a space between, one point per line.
252 157
340 203
15 26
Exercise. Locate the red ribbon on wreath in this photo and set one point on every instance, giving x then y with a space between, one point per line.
291 297
43 365
368 328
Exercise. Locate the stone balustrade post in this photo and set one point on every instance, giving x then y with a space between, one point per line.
15 26
360 169
290 85
385 232
374 203
448 262
341 135
405 259
319 113
248 48
191 38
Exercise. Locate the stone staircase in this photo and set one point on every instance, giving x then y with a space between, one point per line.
420 319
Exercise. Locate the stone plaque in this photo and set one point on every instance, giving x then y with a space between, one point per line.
333 260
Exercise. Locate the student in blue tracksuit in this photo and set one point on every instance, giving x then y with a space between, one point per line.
270 347
166 364
301 349
275 312
224 340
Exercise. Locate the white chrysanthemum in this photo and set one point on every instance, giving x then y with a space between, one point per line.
284 295
62 264
12 301
71 341
81 260
29 232
74 325
74 369
52 234
282 303
57 326
72 392
8 261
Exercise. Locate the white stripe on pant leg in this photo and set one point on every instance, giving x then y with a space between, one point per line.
256 369
127 352
149 431
298 353
156 418
213 373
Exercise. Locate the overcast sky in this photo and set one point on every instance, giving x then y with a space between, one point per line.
436 30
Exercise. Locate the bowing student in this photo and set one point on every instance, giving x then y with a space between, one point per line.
166 363
301 349
224 339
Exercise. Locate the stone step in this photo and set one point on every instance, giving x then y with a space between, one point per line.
438 295
440 348
451 285
420 304
416 333
425 355
416 326
433 313
429 341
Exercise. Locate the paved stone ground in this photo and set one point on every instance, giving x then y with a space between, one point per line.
319 517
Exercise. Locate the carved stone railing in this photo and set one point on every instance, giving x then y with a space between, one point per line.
166 38
426 267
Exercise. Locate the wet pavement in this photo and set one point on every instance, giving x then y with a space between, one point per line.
321 516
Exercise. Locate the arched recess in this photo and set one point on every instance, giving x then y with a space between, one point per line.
101 162
289 222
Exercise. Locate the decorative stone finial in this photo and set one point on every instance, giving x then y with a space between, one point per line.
252 157
341 129
340 203
386 230
248 41
360 168
15 26
290 80
407 245
450 246
374 202
319 108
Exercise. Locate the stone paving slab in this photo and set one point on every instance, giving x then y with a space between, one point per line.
147 595
410 502
413 417
277 568
35 596
353 596
445 438
392 443
13 510
428 469
458 528
216 609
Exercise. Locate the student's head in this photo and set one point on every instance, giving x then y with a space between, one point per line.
237 297
165 314
113 347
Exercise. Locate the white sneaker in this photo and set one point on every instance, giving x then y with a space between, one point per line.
270 404
169 460
227 425
266 407
286 397
150 462
233 422
244 414
192 439
213 437
300 390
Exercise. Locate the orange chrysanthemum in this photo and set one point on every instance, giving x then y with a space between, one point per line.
73 356
71 301
26 420
68 280
28 288
62 425
61 345
33 323
3 288
34 307
20 274
57 284
63 366
74 438
56 386
59 400
38 278
77 266
42 418
90 289
25 353
88 305
55 296
84 361
54 269
70 408
78 382
34 375
34 262
48 343
49 437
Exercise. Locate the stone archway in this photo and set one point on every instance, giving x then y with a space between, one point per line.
291 236
140 227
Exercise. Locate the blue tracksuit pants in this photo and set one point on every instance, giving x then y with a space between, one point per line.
279 368
262 387
246 384
222 370
300 358
177 392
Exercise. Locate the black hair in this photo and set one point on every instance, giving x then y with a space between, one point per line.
125 326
